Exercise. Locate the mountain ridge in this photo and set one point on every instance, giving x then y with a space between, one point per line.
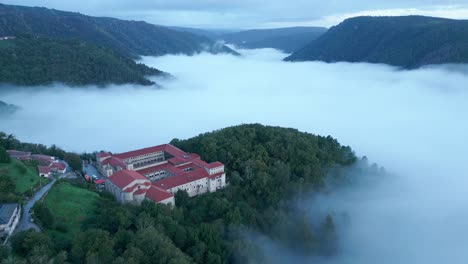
289 39
404 41
132 38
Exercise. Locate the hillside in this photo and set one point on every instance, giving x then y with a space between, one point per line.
286 39
7 109
266 168
29 60
128 37
408 42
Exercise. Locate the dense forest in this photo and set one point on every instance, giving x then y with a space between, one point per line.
131 38
408 42
31 60
286 39
267 167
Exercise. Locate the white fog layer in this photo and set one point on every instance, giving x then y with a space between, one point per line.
411 122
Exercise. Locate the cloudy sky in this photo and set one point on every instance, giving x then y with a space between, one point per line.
252 13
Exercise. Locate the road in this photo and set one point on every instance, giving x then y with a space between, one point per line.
25 222
91 170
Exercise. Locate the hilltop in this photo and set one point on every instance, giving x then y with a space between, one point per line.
30 60
132 38
406 41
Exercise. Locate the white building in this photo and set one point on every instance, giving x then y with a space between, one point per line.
9 218
157 173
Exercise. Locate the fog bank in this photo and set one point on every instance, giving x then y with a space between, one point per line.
412 122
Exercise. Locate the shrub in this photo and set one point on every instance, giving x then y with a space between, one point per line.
61 227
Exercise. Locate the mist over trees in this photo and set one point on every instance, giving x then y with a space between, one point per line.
266 166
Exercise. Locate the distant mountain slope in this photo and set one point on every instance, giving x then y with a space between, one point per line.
7 109
409 42
129 37
286 39
213 34
29 60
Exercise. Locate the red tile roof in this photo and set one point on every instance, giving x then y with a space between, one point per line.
166 166
43 169
157 194
135 186
177 160
57 165
215 164
216 175
139 152
123 178
166 148
181 179
103 154
114 162
18 154
140 191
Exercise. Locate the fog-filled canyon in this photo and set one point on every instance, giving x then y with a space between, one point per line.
410 122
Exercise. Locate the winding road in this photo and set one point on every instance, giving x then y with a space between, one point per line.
25 222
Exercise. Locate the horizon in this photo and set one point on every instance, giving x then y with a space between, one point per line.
238 17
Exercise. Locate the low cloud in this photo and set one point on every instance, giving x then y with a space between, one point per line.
411 122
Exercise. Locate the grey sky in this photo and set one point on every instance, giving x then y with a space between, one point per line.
252 13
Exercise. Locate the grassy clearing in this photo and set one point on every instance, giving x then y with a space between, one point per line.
7 43
24 176
70 205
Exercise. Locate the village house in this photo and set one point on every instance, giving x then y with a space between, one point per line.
158 173
47 164
44 171
9 218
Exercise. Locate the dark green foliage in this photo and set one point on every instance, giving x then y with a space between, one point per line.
267 168
4 252
43 214
7 187
74 160
92 246
4 157
126 37
408 42
40 61
21 167
23 243
286 39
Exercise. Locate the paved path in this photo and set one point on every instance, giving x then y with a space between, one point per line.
25 222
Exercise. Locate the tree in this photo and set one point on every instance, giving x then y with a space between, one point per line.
4 156
6 183
24 242
158 248
181 198
93 246
4 252
73 160
44 215
329 239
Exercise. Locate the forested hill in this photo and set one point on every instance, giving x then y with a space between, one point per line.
30 60
267 168
7 109
408 41
128 37
286 39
